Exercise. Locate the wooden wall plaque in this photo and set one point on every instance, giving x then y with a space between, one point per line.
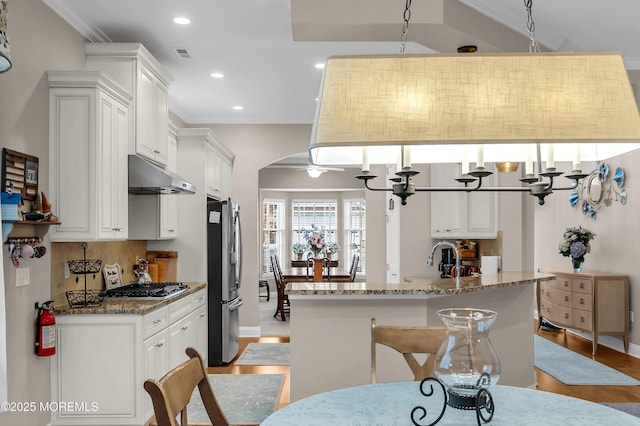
21 171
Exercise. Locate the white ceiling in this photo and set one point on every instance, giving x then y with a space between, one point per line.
273 77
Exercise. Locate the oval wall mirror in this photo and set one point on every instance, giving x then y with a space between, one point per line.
595 190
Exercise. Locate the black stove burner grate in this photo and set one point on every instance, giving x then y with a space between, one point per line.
154 290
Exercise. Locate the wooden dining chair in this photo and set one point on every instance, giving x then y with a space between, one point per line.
282 302
171 394
408 341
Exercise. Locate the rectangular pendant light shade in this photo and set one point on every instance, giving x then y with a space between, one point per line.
499 101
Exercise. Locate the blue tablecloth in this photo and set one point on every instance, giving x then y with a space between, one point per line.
391 404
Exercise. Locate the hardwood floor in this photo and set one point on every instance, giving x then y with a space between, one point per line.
624 363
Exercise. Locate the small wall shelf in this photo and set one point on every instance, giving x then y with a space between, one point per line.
25 228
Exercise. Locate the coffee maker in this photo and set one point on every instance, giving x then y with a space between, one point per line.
448 260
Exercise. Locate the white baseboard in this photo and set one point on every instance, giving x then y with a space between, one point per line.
614 342
250 332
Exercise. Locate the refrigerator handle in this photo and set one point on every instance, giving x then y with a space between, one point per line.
235 305
238 248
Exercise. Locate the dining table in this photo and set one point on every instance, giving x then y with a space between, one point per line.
393 403
306 274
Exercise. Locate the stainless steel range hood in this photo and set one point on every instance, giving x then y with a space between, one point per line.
146 178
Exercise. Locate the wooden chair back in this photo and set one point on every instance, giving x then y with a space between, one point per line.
408 341
283 299
354 267
171 394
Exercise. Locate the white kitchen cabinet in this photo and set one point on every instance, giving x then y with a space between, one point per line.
201 330
133 67
88 137
156 360
218 172
105 359
213 172
155 217
218 161
462 214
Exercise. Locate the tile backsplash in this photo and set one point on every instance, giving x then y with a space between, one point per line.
121 252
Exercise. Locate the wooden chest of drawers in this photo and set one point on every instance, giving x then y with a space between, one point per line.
593 302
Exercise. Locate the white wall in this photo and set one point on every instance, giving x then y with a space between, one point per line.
40 40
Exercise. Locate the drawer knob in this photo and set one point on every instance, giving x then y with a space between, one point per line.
548 294
566 316
566 283
581 319
582 301
156 322
159 345
566 298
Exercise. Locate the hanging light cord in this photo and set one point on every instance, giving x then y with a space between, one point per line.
531 28
405 27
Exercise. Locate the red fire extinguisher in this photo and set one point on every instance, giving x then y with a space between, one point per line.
45 330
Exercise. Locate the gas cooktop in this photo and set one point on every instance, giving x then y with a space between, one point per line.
155 291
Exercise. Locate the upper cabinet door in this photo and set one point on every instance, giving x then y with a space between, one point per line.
446 207
132 66
462 214
88 142
145 114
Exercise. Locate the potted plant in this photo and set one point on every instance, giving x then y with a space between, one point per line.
298 249
331 249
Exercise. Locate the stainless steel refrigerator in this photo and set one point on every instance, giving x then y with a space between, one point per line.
224 269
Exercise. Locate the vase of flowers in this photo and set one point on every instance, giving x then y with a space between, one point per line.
298 250
315 240
575 244
331 249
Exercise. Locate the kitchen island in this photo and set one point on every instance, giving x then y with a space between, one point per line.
105 353
331 323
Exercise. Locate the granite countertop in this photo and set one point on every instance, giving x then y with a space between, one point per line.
417 285
124 306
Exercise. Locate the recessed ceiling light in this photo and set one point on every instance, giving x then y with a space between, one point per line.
320 66
217 75
238 107
182 20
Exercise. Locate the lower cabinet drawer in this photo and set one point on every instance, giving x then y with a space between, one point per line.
582 285
560 297
545 309
582 320
560 282
582 301
561 315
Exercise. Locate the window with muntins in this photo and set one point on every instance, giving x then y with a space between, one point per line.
354 233
306 214
273 233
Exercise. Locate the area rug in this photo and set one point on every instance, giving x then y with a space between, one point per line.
265 354
571 368
244 398
632 408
